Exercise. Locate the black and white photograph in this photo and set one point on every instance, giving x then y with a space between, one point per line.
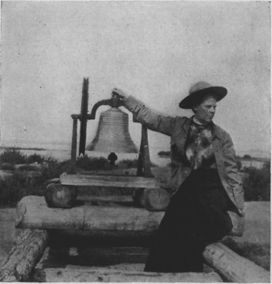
135 141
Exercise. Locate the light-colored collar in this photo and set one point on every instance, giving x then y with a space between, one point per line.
196 121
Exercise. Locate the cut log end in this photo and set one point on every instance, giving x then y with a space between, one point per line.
58 196
155 199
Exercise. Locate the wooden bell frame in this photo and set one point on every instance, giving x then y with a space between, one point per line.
144 164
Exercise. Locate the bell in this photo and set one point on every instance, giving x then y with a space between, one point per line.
112 133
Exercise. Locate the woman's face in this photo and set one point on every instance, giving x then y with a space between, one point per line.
205 111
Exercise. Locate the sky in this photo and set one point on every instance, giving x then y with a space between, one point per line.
154 51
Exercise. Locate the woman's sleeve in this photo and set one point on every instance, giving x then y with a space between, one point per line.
234 176
151 119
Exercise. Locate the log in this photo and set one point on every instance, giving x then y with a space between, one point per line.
108 181
155 199
43 260
60 196
23 257
32 212
110 275
132 266
233 267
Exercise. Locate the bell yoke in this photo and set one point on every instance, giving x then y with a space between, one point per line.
112 134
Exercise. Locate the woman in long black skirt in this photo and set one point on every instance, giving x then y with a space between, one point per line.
205 180
196 216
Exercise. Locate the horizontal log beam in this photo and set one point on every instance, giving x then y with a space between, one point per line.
108 181
23 256
32 212
111 275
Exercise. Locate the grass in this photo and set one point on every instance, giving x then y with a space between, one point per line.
14 187
12 156
257 183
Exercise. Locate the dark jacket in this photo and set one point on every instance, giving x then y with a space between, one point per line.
177 128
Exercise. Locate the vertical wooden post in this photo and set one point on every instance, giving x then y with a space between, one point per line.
83 116
144 164
74 139
140 161
146 156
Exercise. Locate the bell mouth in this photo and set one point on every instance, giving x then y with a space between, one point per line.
112 134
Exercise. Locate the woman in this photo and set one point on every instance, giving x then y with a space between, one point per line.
205 180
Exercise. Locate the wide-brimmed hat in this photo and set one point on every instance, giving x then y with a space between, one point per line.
198 91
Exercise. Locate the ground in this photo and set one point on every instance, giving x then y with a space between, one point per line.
255 242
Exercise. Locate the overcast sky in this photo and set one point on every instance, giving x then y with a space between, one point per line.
153 50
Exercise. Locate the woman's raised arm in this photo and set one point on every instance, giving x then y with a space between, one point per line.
148 117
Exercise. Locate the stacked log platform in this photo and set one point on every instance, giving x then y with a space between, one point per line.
33 213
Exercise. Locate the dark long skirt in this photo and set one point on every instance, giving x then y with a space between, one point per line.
195 217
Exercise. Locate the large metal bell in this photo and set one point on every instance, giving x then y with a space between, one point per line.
112 133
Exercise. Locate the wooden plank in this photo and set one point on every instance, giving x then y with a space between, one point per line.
117 171
23 256
75 274
33 212
105 199
234 267
108 181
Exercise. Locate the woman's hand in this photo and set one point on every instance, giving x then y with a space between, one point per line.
120 94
